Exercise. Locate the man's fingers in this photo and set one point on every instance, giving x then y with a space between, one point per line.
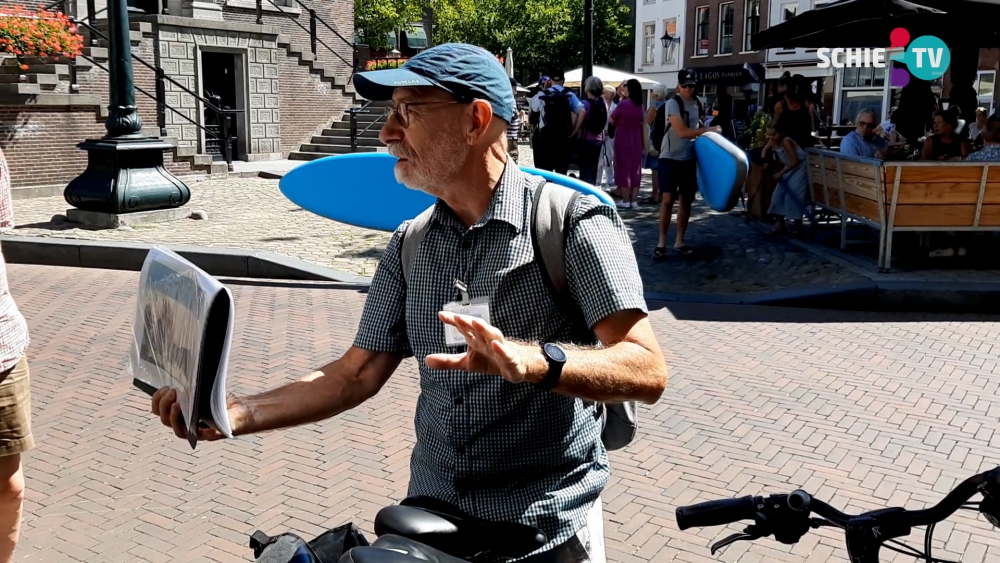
175 421
168 399
445 361
155 400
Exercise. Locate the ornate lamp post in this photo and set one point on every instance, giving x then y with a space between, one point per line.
125 172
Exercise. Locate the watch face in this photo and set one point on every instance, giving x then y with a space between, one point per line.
555 352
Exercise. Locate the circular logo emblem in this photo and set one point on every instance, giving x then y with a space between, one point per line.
933 62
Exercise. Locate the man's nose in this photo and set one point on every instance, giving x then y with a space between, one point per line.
391 132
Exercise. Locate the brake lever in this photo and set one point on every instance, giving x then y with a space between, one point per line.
750 533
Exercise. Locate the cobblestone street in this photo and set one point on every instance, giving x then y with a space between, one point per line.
864 411
732 257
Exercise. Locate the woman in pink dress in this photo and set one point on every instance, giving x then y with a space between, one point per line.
628 121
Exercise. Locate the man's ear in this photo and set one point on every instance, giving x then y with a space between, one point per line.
482 118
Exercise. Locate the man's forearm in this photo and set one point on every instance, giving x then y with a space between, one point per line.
329 391
623 372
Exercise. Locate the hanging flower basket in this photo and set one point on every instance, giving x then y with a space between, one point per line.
38 33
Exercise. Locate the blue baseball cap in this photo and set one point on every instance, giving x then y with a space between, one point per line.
466 71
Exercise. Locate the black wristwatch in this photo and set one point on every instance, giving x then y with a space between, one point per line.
556 358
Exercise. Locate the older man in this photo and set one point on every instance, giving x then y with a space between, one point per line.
863 141
505 424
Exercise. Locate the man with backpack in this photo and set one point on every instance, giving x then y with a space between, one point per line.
544 329
562 116
678 168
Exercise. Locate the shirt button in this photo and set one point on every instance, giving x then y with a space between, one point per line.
467 243
458 400
460 450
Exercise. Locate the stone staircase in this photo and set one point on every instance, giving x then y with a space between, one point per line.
326 71
337 138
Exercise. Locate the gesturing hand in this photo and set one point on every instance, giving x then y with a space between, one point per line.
488 351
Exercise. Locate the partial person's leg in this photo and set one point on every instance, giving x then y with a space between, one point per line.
11 502
15 439
688 181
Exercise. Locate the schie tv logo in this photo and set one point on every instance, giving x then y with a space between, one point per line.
927 57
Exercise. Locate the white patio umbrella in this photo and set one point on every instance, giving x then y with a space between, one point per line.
508 62
607 75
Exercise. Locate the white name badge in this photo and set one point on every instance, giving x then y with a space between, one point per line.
479 308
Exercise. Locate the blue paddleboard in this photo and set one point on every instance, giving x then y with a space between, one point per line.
722 170
361 190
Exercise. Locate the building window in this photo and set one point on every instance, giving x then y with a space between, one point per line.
861 88
985 88
752 23
670 51
787 11
726 15
701 33
417 37
649 43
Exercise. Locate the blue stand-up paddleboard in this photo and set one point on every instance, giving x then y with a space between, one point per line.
722 170
361 190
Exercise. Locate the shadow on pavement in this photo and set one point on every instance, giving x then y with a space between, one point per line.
707 312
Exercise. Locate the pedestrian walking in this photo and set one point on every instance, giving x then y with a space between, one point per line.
606 164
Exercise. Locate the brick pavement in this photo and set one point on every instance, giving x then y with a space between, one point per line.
734 256
862 410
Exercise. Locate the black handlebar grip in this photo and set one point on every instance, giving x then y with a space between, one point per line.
716 512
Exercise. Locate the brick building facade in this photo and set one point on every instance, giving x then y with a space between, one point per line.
717 45
284 93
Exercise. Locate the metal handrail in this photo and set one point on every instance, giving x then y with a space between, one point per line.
312 32
322 21
354 122
224 138
159 72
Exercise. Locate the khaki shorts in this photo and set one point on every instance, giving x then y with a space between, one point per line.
15 410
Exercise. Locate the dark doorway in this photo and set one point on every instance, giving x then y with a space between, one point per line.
220 87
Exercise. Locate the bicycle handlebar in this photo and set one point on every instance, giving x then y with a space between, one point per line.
786 516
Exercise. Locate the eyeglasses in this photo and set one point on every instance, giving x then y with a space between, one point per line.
401 110
692 86
866 124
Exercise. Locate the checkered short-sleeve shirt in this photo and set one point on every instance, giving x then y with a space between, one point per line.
13 328
499 450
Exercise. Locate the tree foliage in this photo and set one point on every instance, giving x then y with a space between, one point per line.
546 35
374 20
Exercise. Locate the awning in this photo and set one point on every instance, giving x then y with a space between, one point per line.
731 75
607 75
416 38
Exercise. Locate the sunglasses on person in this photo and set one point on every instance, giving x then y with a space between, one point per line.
866 124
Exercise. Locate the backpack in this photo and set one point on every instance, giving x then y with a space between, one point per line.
659 126
551 211
328 547
597 117
558 113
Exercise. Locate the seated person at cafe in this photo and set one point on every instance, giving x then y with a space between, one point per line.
991 139
946 143
977 130
863 141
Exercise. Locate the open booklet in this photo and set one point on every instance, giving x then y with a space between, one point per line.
182 336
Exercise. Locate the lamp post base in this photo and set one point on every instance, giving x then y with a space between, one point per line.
125 176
